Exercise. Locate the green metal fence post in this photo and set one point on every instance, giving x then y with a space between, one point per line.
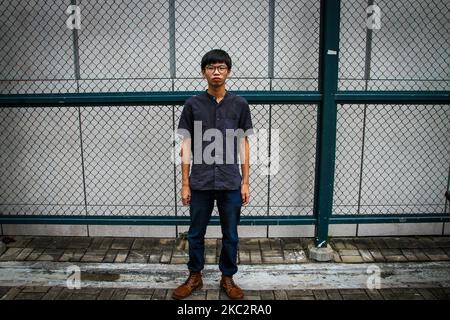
326 129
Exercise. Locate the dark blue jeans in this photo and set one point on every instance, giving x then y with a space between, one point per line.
229 203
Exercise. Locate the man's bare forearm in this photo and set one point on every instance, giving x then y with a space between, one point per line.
185 174
245 160
185 161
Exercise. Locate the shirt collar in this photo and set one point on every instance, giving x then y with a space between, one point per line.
213 98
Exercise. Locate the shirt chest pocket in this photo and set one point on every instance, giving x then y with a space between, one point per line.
228 122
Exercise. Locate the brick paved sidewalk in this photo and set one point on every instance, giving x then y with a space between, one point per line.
62 293
260 251
251 251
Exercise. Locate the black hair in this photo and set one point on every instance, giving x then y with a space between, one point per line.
215 56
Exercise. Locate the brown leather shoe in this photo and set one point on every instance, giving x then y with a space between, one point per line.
193 282
231 289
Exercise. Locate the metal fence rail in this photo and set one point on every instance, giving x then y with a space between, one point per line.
356 92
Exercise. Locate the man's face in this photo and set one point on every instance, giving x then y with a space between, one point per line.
216 74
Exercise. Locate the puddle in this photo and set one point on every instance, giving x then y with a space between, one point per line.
89 276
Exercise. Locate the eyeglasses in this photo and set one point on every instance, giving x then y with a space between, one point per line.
222 68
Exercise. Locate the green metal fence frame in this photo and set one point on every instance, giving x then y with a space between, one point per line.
327 99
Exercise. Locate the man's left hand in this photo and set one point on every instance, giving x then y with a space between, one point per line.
245 194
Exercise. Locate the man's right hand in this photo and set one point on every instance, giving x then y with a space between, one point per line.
185 195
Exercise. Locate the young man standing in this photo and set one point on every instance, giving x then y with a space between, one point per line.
214 126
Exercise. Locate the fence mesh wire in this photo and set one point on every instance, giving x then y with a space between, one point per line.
40 161
391 159
156 45
402 45
120 159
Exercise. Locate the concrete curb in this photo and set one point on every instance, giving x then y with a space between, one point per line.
249 277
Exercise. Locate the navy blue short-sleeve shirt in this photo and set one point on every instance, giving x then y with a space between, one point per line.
215 129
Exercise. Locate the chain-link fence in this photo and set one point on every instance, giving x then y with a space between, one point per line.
156 45
396 45
391 159
116 160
